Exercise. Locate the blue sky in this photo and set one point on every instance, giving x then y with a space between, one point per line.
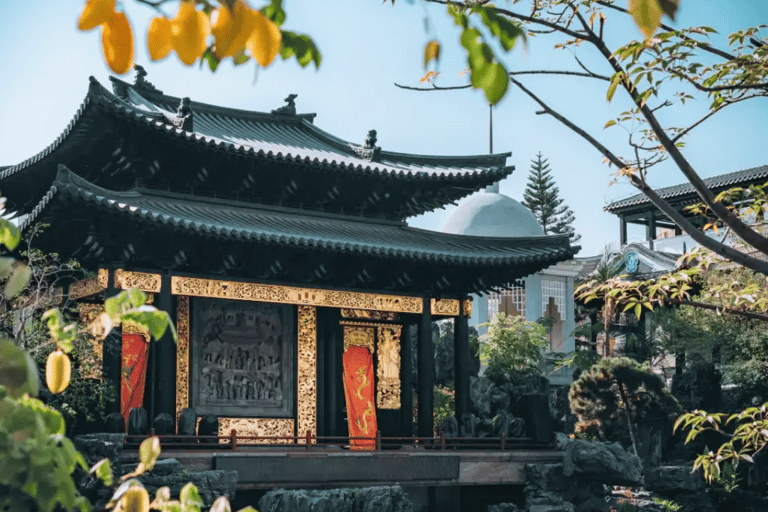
367 46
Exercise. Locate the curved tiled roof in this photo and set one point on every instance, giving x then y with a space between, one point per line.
335 233
715 182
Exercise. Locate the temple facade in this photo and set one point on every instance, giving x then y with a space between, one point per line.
299 291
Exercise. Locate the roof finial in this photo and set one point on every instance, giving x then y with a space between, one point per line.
184 116
370 140
140 82
289 108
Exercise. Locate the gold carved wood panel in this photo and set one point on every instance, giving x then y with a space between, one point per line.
306 388
388 368
257 427
182 356
358 336
126 279
293 295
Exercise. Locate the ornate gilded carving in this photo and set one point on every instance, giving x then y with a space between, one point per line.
182 355
358 336
126 279
388 371
307 373
88 313
103 278
257 427
84 288
292 295
467 308
129 328
444 307
366 314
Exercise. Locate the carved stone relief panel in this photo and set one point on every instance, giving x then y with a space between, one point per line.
306 409
242 358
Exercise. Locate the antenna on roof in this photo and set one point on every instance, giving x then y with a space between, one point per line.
490 130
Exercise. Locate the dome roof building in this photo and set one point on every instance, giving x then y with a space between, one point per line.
548 293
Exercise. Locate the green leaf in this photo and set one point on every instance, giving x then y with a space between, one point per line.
647 15
617 77
431 52
103 471
154 320
18 371
609 124
190 498
275 12
638 310
17 281
9 234
149 451
493 80
136 297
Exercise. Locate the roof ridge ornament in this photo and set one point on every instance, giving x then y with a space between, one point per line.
369 150
289 109
184 118
141 83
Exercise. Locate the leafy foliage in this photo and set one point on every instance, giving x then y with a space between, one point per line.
749 437
542 197
619 390
512 345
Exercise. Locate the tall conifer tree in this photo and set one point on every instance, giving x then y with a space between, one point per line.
542 197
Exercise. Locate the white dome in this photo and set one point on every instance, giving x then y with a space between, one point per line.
493 214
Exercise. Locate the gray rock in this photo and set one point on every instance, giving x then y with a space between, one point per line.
592 504
533 408
547 502
209 426
547 477
114 423
602 462
468 427
673 479
562 441
164 467
95 447
163 425
480 393
504 507
138 422
367 499
450 427
210 484
187 422
484 428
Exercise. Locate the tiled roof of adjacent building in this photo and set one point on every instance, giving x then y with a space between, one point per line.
716 183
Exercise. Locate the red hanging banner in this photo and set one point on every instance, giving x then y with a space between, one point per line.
359 392
133 373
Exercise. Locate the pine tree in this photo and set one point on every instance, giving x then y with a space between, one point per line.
542 197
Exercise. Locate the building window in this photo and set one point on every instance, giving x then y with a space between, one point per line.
510 302
553 290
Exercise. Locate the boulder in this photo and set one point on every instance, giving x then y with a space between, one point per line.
187 422
450 427
210 484
504 507
672 480
209 426
164 467
468 427
480 393
95 447
114 423
485 428
163 425
533 408
138 422
367 499
602 462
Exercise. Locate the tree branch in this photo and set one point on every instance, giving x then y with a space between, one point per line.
433 88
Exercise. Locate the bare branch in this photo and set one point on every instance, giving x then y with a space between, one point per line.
433 88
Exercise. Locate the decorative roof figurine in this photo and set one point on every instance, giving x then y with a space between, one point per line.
184 116
369 150
290 108
140 81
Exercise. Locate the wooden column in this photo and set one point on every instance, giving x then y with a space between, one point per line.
461 361
112 353
165 355
329 377
426 371
406 379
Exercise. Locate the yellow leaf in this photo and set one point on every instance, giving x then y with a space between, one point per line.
58 371
265 39
117 42
431 52
135 499
647 14
95 13
232 28
189 30
159 38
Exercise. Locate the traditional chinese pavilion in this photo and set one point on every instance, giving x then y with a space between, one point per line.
282 251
